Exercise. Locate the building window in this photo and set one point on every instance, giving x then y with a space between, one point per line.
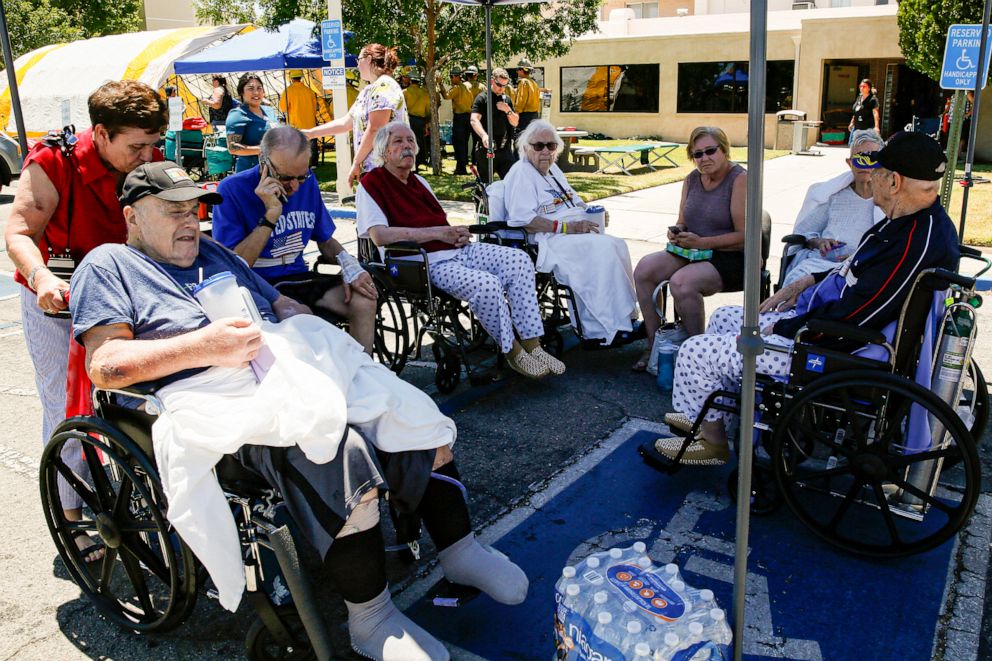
644 9
610 88
841 3
721 87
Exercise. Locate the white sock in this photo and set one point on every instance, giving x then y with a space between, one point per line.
380 631
469 563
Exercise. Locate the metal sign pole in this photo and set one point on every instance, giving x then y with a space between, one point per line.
489 86
973 132
750 343
15 98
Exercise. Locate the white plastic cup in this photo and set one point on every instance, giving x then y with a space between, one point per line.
596 214
221 297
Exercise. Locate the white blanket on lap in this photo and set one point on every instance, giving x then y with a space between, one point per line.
321 382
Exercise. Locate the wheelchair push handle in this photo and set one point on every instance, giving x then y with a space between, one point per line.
488 228
976 254
937 279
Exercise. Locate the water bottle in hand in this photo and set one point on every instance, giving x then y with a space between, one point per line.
666 367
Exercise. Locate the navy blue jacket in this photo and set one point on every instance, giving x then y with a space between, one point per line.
883 269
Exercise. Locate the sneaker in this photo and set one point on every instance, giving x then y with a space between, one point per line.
699 453
554 365
675 335
678 421
528 365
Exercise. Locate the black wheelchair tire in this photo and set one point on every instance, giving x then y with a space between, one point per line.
260 643
981 399
875 464
553 342
151 549
448 370
765 498
391 344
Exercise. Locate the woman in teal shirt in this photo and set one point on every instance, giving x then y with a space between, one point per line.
247 123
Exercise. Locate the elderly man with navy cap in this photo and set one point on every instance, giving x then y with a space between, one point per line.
867 290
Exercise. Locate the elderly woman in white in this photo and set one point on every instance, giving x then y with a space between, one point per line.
835 215
594 265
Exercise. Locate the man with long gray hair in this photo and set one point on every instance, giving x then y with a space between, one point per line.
272 211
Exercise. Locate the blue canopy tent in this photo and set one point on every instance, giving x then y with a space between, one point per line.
292 46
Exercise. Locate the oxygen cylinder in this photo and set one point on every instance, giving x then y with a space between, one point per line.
945 382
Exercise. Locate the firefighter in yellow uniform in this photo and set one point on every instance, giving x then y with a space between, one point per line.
301 107
418 107
461 109
527 99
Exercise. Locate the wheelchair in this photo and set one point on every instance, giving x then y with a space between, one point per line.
155 585
410 308
853 444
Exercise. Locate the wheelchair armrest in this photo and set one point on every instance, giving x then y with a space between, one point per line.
488 228
937 279
402 246
139 389
841 330
794 239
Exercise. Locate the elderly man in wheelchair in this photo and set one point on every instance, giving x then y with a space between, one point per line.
294 400
823 394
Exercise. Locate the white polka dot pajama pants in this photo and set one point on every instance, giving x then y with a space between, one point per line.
711 362
498 284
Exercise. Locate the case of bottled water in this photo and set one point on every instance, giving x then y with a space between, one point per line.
618 605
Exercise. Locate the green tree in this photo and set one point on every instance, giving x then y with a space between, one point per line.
97 18
433 33
923 30
35 23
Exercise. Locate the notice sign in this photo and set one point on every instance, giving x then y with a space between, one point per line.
960 69
176 110
331 40
332 77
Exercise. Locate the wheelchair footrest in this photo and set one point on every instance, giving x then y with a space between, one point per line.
657 460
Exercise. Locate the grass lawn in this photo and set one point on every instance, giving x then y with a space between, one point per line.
978 221
589 185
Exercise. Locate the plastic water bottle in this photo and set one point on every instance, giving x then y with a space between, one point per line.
634 635
572 599
666 367
671 573
605 630
644 562
640 550
616 556
718 629
642 652
668 648
567 578
598 606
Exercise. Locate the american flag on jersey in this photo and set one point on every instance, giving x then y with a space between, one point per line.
287 244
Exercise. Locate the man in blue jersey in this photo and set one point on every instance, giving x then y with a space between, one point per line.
272 211
866 290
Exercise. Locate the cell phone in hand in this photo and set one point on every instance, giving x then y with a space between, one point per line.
838 253
675 229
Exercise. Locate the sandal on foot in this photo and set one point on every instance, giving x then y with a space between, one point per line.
553 365
642 362
93 547
529 366
679 421
699 453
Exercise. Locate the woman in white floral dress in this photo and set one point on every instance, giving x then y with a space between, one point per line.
379 102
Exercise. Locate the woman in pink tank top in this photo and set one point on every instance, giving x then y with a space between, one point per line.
711 217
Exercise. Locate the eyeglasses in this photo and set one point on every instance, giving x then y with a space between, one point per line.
709 151
541 146
285 179
501 84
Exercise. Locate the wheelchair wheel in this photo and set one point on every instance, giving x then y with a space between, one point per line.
146 580
391 344
552 341
975 397
839 455
458 322
262 644
448 372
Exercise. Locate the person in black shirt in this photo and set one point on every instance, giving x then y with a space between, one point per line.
865 109
505 120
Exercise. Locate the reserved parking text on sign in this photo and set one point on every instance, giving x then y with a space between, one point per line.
961 51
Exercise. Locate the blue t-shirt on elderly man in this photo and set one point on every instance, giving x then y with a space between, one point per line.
304 218
116 284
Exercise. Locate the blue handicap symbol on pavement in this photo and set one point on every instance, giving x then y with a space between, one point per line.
806 600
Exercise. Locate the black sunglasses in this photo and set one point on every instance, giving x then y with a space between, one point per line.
284 179
541 146
709 151
499 84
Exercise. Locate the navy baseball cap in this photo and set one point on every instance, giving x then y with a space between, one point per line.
911 154
166 181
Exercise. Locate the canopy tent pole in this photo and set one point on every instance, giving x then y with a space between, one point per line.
750 343
973 130
489 75
15 98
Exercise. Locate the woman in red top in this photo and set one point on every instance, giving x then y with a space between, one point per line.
66 205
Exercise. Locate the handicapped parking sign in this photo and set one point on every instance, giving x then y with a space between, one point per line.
331 40
960 68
